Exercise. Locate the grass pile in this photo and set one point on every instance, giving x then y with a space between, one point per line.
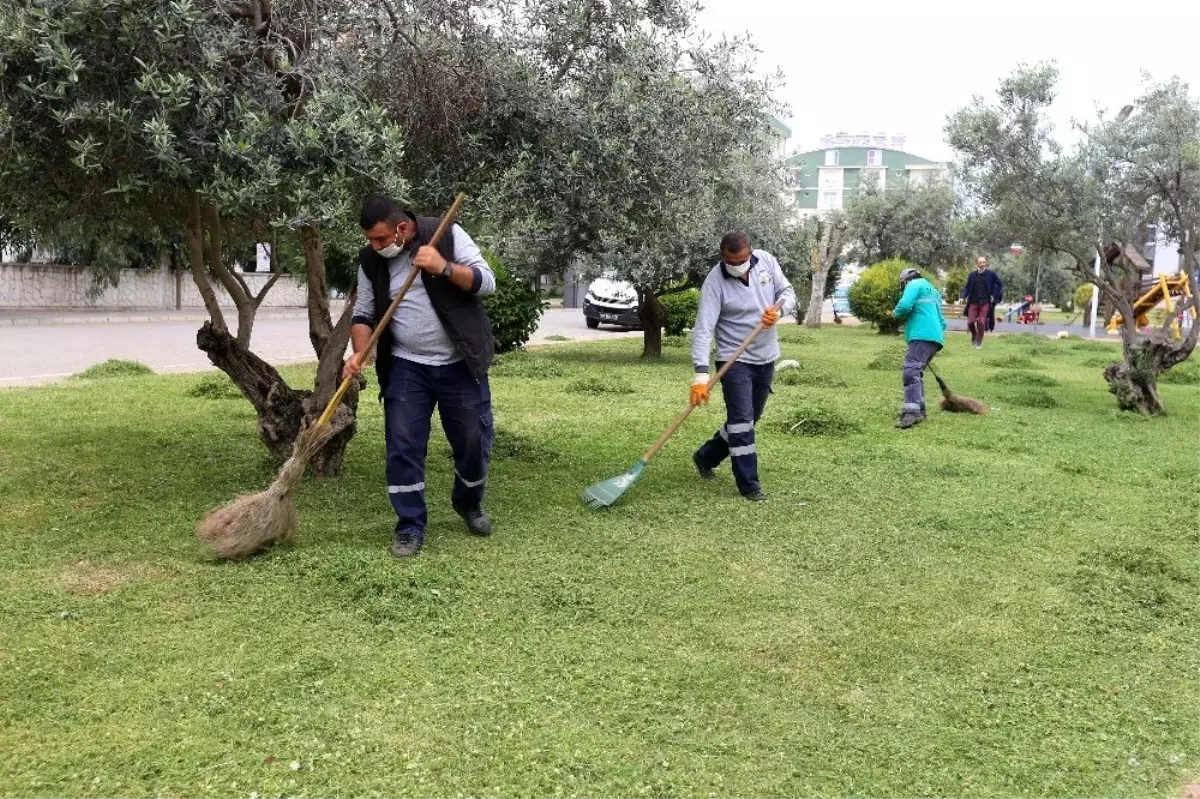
995 605
114 369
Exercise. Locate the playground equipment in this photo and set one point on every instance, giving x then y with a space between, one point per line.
1159 290
1026 311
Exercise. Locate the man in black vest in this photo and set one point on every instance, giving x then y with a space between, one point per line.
435 352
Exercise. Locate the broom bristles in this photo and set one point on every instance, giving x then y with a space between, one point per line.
253 522
956 403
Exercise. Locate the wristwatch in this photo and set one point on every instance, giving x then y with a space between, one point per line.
448 270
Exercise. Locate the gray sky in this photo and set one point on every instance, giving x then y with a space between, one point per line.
902 67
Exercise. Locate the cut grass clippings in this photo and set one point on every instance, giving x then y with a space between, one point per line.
1000 605
809 377
528 365
215 387
1014 361
1033 398
597 385
114 369
1018 378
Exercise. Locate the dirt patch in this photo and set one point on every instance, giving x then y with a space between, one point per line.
1192 790
85 578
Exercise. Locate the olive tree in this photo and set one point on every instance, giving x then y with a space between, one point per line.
1089 200
217 123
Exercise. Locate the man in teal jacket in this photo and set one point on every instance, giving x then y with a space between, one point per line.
920 308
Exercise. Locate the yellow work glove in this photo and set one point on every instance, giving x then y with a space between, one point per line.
770 316
700 389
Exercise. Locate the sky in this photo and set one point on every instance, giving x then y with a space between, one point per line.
903 67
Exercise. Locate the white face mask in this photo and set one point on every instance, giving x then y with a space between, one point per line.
391 251
738 271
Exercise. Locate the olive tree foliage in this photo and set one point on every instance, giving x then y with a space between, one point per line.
210 122
654 155
606 133
915 223
1140 166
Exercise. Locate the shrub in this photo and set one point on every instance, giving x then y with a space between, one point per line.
1082 297
875 294
956 281
514 309
215 386
680 309
675 342
115 368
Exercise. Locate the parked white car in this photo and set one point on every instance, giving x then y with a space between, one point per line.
612 302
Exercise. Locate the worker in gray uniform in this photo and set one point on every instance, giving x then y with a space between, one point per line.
742 290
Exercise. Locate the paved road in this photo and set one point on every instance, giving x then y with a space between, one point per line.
33 353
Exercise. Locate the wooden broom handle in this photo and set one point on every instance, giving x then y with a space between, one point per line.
382 324
682 417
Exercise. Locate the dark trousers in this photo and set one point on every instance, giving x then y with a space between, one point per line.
465 408
977 320
916 359
745 388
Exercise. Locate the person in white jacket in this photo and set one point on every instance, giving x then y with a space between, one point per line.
742 290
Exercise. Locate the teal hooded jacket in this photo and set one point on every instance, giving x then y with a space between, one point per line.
920 308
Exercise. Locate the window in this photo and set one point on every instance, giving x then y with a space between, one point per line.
831 158
829 199
874 157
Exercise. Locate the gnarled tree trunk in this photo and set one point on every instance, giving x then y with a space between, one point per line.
1134 381
653 316
281 409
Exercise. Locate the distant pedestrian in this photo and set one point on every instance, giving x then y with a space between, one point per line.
920 308
983 293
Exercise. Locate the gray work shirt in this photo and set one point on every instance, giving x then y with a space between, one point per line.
419 335
730 309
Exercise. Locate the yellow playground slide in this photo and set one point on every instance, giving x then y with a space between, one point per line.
1160 291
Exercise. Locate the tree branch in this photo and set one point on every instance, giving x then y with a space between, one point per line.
195 237
320 326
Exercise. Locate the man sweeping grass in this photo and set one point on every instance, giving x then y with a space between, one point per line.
742 290
920 308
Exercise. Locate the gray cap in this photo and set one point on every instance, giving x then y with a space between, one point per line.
908 274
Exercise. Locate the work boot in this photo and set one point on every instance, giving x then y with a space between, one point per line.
477 520
755 496
909 419
406 543
705 472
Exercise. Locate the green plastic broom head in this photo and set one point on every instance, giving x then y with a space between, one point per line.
606 492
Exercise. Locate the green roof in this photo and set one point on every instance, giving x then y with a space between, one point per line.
858 155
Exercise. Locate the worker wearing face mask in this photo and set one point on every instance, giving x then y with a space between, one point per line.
435 352
742 290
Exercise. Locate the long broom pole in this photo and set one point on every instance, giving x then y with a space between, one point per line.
682 417
382 324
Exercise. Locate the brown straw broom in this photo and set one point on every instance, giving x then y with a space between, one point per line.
253 522
957 403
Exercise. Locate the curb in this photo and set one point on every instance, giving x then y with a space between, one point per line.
119 318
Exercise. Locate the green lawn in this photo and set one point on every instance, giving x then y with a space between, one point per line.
1004 605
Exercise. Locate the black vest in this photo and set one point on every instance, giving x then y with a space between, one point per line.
460 312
